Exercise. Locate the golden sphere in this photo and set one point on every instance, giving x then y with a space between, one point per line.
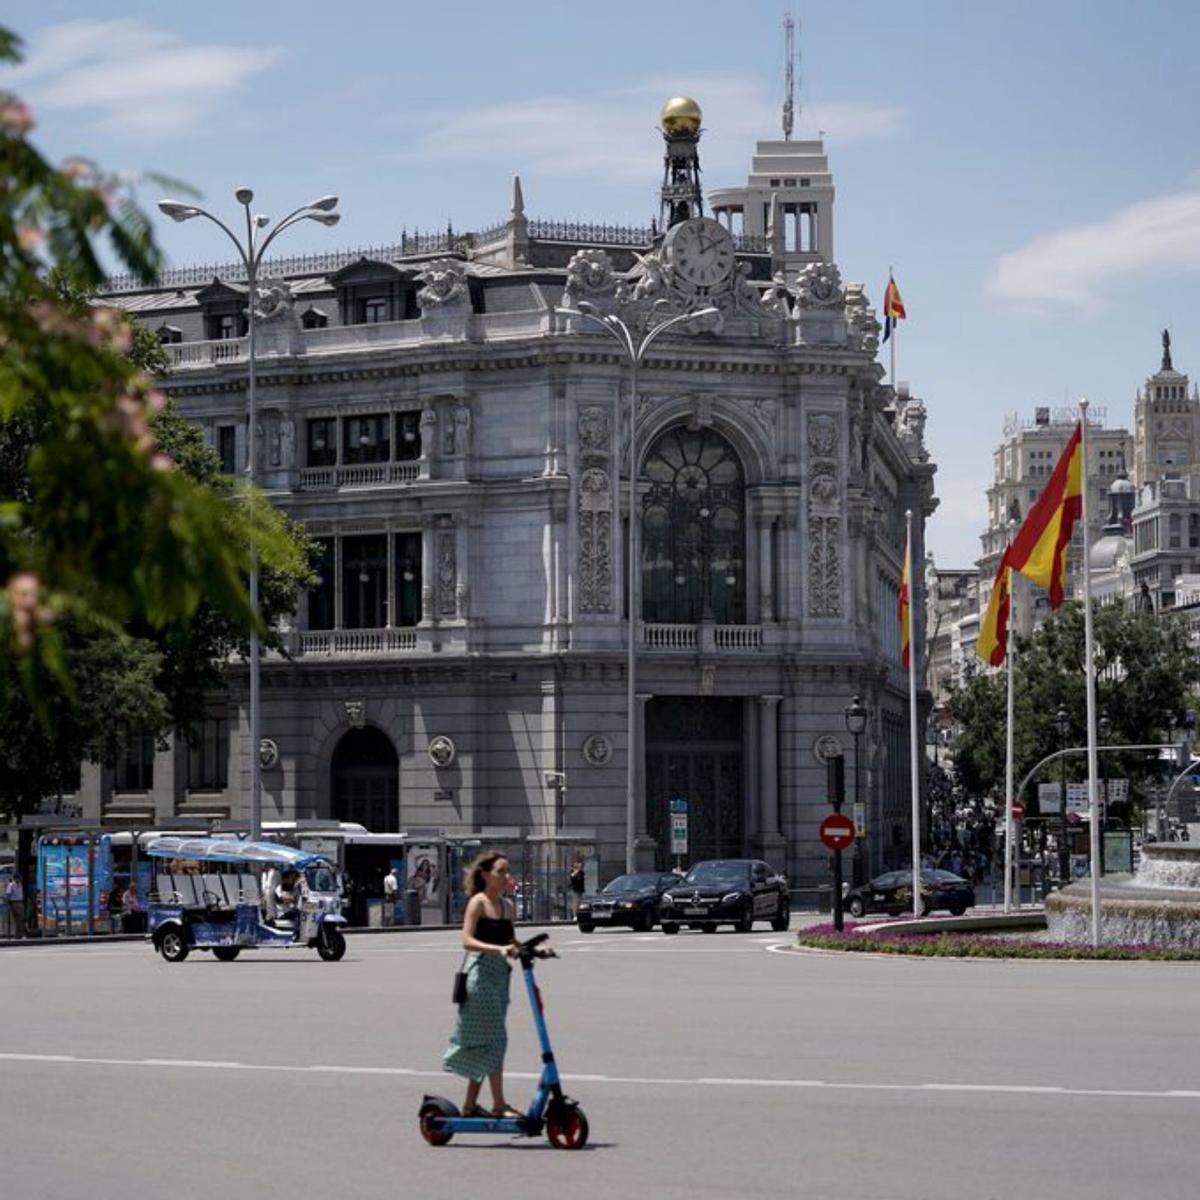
680 114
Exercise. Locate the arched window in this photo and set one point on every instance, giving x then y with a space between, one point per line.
693 530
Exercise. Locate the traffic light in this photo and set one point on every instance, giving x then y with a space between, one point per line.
835 780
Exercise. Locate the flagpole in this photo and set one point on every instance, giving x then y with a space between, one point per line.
1009 824
1089 654
914 766
892 339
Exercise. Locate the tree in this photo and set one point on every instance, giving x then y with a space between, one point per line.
1146 674
106 529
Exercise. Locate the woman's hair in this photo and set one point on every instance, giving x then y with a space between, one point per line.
478 867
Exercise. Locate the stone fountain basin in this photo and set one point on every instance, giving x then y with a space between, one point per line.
1132 913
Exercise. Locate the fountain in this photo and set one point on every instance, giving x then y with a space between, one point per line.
1159 905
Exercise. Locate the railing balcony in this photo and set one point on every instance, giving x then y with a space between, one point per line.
350 643
208 354
359 475
707 638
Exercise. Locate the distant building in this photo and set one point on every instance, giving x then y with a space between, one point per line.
1166 424
1166 537
951 595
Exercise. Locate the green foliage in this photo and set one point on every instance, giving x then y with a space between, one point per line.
1146 673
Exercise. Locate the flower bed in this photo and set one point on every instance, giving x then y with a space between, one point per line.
974 945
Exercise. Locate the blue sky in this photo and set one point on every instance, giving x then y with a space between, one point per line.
1030 169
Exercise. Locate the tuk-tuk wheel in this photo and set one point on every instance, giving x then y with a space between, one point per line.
226 953
173 946
331 943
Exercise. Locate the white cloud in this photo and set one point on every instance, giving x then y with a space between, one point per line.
609 134
132 76
1074 266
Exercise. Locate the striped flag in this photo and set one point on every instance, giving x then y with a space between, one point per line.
893 307
992 643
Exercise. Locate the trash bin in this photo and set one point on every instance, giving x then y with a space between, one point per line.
412 907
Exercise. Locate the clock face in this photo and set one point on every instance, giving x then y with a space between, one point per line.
701 252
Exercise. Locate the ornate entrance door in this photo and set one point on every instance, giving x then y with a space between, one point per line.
365 781
694 752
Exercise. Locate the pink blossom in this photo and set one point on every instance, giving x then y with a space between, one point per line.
162 462
15 115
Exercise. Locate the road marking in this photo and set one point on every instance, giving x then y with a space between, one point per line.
722 1081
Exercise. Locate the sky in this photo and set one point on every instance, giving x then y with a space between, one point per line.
1028 168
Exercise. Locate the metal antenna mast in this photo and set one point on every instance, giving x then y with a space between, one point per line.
789 104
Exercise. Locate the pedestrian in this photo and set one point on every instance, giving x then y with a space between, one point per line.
131 910
480 1039
14 897
577 881
389 897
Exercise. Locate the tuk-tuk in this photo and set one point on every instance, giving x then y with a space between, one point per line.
207 896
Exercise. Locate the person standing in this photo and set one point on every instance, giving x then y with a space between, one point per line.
131 910
480 1039
14 897
389 897
577 879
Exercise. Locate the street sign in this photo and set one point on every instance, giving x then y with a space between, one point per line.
679 833
1049 798
679 804
1018 810
837 831
860 818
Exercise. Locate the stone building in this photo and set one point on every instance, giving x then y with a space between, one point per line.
458 444
1166 424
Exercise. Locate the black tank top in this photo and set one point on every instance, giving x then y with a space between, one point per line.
496 931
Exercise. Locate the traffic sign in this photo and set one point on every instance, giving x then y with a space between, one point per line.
679 833
1018 810
837 831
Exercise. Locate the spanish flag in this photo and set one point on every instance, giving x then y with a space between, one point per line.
893 307
992 643
1039 551
905 613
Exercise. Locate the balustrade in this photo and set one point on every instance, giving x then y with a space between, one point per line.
687 637
341 643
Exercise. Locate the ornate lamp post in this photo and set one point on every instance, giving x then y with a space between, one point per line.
1062 721
251 252
635 350
856 722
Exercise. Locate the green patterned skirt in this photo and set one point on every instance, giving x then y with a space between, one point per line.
480 1038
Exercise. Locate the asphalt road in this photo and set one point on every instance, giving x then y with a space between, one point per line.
709 1066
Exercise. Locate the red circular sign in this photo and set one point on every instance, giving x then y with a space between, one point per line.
1018 810
837 831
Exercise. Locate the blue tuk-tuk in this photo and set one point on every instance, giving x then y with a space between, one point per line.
208 891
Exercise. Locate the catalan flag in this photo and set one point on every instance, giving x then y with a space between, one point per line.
893 307
1039 551
992 643
905 613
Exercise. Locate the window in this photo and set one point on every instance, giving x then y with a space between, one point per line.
693 530
313 318
227 448
228 326
408 436
364 582
208 756
408 579
322 442
135 764
169 335
1174 532
1193 530
366 439
320 596
375 311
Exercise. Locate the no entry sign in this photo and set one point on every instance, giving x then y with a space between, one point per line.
837 831
1018 810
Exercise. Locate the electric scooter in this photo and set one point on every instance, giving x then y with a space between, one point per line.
551 1111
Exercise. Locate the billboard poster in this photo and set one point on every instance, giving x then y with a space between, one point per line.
64 885
424 875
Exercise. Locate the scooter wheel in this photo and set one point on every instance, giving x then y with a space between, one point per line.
567 1128
428 1114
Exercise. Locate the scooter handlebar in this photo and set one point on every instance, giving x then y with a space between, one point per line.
528 950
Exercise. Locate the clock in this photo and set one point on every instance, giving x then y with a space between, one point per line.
700 252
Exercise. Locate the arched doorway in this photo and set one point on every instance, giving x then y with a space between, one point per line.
693 530
364 781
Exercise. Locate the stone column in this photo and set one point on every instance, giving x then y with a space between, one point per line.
337 583
768 842
766 570
389 584
460 554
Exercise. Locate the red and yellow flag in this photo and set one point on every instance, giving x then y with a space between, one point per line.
893 307
905 609
992 643
1039 551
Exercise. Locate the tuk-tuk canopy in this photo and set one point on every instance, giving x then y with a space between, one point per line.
230 850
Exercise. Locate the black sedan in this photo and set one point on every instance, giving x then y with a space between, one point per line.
892 893
630 900
727 891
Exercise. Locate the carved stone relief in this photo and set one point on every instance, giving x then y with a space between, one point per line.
444 285
824 517
447 574
595 509
824 567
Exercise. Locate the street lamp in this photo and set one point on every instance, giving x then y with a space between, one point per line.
1062 721
635 351
1104 728
856 722
251 252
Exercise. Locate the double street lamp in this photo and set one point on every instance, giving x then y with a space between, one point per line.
251 251
634 349
856 722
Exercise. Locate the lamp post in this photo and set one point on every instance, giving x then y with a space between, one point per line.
251 252
635 351
1103 728
856 722
1062 721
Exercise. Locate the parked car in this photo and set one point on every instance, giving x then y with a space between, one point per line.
631 900
727 891
892 893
